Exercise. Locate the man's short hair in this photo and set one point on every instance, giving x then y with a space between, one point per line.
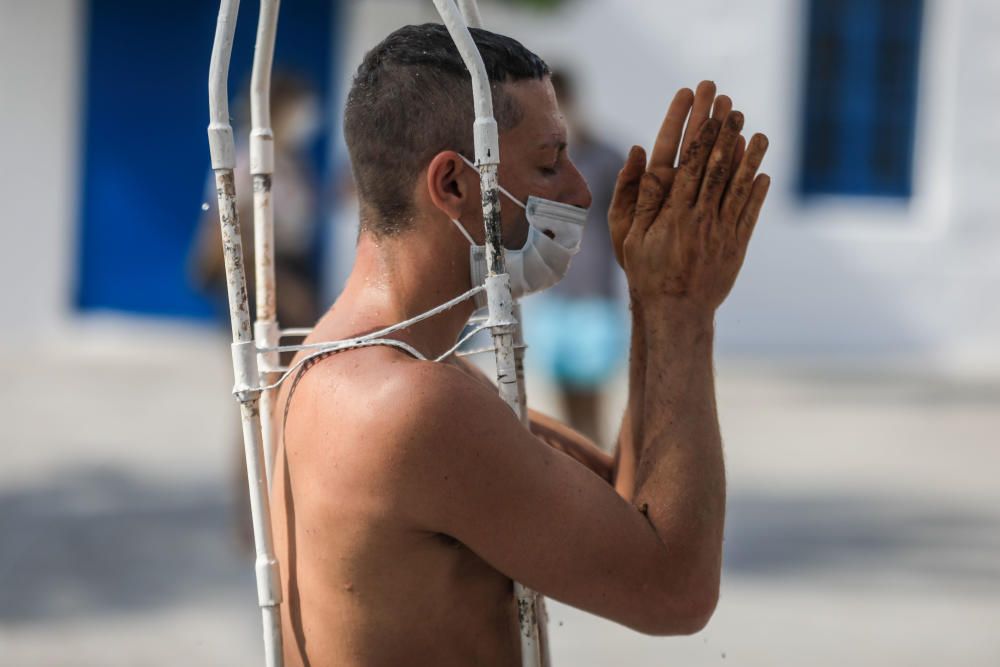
411 99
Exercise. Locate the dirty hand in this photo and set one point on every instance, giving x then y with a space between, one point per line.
682 232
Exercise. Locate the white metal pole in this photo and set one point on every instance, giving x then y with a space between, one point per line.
501 320
247 387
266 330
541 614
470 12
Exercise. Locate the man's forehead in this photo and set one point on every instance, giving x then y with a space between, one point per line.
542 125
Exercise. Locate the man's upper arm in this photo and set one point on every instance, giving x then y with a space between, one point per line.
554 433
535 514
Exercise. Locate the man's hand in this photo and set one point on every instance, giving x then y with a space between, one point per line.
682 232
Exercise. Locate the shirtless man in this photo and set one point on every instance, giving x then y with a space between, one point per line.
407 495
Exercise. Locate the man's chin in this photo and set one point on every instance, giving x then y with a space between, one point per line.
517 239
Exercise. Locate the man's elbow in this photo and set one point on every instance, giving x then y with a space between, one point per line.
686 616
697 614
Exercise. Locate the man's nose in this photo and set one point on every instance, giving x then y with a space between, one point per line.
578 192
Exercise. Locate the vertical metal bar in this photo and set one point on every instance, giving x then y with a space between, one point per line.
247 386
503 325
266 330
470 12
541 614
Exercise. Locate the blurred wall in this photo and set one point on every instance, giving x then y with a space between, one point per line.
868 281
145 169
40 47
864 280
106 158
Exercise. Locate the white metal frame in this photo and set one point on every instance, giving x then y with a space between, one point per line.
504 327
247 387
255 352
266 330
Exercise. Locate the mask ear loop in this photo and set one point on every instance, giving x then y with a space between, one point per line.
511 197
465 233
499 187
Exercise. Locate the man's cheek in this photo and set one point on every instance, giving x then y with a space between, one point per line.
515 232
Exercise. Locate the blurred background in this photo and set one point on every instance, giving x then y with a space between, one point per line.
858 356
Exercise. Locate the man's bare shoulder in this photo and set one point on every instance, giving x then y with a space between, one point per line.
412 435
383 387
400 415
422 404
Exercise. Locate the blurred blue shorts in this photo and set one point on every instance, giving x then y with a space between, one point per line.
579 343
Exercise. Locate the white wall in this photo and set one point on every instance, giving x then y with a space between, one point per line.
859 280
40 68
840 279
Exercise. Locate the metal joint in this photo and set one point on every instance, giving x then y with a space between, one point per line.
500 301
267 334
246 394
247 385
268 582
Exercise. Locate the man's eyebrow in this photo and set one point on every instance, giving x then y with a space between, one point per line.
558 143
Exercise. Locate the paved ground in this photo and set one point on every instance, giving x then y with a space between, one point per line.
864 523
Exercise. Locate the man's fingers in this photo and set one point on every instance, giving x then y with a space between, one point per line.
723 105
740 186
627 185
668 140
624 199
685 186
738 153
741 147
648 204
720 162
748 218
704 95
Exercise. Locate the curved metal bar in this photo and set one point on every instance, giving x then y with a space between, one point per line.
261 172
470 11
500 301
220 133
247 387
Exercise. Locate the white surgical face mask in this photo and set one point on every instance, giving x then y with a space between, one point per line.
542 261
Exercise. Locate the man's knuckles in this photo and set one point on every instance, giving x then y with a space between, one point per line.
698 151
717 176
650 194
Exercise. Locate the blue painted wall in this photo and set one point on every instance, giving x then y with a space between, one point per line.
145 151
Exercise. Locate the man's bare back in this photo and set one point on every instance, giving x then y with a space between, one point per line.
350 529
407 496
366 583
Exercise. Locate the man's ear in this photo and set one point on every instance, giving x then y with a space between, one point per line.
452 184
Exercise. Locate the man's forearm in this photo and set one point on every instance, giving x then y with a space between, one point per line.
630 434
680 476
572 443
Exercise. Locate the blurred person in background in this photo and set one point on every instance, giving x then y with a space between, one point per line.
296 121
577 330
